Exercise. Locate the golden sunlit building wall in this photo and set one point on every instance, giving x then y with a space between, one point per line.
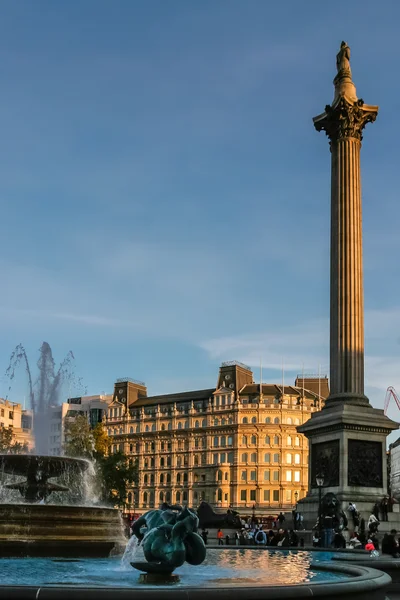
235 445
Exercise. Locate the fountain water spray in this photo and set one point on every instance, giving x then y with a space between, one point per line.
46 390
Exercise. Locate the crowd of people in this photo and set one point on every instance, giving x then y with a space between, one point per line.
256 536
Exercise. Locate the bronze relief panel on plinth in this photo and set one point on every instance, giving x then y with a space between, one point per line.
325 461
365 463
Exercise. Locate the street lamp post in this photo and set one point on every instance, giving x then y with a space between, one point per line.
320 482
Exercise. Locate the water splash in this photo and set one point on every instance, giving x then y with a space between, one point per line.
132 553
46 390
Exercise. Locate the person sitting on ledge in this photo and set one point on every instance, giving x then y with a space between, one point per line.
355 541
390 545
338 540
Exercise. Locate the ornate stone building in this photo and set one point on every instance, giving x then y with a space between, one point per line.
234 445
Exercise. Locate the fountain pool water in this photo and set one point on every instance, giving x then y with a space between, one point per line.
268 573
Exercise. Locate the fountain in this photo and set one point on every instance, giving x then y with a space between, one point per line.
36 516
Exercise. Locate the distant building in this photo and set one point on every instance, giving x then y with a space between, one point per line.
94 407
234 445
394 468
13 415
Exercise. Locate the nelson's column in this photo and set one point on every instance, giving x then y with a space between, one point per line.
348 436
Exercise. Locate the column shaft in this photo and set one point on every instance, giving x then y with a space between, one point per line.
347 295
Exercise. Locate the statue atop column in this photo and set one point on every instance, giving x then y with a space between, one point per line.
343 60
344 86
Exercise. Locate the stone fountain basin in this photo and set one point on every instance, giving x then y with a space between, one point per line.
358 583
47 466
58 531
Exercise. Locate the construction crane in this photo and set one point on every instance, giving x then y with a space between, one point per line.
391 392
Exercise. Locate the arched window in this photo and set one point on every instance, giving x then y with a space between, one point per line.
152 479
130 447
253 457
162 445
244 457
109 431
288 458
186 424
196 477
223 421
169 426
297 421
162 427
219 475
185 477
168 497
115 431
196 461
289 440
145 479
276 420
131 430
195 496
178 478
219 496
289 420
268 420
184 497
276 440
179 425
297 441
179 461
245 420
168 461
130 498
244 440
204 423
297 459
197 424
276 458
216 442
223 441
153 427
230 440
254 419
267 457
161 496
147 428
145 498
267 440
137 428
253 439
178 497
226 476
168 478
137 447
162 478
162 461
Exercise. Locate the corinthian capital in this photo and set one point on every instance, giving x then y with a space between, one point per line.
345 119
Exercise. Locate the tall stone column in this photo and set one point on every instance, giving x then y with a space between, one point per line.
343 122
347 438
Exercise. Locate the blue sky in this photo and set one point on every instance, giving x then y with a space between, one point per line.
165 198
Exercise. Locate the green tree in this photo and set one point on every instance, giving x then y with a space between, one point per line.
7 443
115 472
118 473
101 440
79 440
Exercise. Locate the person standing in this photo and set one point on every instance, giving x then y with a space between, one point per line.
237 537
385 508
204 535
390 545
281 519
373 524
220 537
375 510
